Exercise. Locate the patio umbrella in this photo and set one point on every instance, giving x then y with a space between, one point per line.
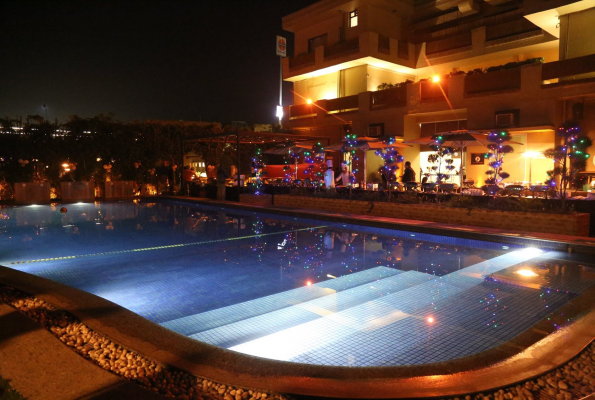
367 143
460 139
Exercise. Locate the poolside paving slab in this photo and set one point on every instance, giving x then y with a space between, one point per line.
40 367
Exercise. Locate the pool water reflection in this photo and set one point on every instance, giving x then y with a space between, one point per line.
294 289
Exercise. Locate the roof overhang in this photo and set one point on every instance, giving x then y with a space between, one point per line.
549 20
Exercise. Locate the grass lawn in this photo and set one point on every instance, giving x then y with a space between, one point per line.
7 392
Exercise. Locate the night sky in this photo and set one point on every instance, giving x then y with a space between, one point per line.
174 60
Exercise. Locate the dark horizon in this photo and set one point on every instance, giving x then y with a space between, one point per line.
143 60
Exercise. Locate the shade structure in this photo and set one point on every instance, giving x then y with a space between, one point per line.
296 148
367 143
460 139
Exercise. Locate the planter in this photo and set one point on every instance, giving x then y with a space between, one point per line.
77 191
576 224
32 192
119 190
257 200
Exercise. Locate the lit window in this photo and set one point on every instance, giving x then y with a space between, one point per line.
353 19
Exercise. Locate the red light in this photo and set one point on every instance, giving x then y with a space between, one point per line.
308 283
430 320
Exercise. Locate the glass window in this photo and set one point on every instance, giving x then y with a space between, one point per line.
353 19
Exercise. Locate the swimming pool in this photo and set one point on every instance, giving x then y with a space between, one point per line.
295 289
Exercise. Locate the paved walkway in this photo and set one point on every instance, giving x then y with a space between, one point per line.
41 367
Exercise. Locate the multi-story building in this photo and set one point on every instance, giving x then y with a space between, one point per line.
523 65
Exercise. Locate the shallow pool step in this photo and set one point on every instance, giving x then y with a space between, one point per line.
387 315
265 324
227 315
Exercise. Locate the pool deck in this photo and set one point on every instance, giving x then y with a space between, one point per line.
39 365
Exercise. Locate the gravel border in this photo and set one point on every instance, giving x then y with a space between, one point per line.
125 363
573 380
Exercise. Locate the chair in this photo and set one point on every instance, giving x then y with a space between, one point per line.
428 187
539 189
446 187
410 186
490 190
514 190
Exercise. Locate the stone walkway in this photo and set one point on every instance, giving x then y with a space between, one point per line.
40 367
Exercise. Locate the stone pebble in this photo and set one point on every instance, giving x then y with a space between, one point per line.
574 380
121 361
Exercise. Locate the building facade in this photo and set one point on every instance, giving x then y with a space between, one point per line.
412 68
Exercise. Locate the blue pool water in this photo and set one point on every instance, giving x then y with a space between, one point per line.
294 289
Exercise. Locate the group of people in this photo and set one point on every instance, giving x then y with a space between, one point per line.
346 176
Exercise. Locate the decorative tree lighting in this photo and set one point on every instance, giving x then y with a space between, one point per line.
391 158
257 166
570 158
349 147
439 157
496 156
315 159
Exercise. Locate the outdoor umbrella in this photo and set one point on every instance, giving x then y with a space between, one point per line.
366 143
461 139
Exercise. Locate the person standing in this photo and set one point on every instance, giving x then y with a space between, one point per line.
188 176
345 175
221 177
408 173
329 175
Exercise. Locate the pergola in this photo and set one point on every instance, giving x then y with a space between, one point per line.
250 137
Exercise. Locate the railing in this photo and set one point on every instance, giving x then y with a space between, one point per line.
342 48
403 50
395 97
450 43
506 79
568 67
302 111
301 60
511 28
433 91
342 104
383 44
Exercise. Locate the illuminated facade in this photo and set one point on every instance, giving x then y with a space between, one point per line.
442 59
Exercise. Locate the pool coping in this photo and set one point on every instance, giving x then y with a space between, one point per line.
557 242
528 355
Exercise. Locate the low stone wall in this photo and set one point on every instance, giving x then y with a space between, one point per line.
32 192
77 191
119 189
257 200
576 224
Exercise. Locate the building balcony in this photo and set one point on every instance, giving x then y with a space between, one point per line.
529 92
367 48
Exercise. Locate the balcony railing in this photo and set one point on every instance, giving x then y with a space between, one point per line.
342 104
569 67
383 44
395 97
342 48
458 42
433 91
506 79
511 29
302 111
301 60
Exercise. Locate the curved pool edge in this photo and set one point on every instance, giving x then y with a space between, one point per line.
526 356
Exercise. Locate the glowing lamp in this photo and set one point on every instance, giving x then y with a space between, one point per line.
435 78
430 319
526 272
308 283
309 101
65 165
